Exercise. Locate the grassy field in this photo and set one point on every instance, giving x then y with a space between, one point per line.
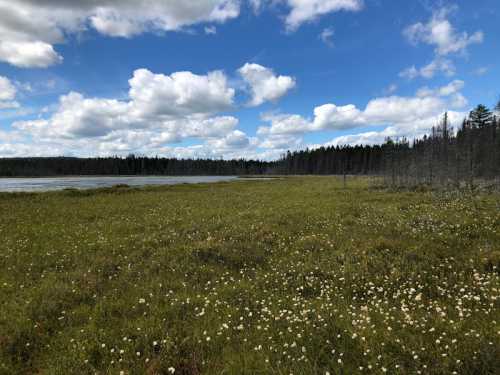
293 276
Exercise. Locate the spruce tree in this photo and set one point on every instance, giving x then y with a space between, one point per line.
481 116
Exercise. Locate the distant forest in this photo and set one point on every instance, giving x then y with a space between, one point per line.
445 157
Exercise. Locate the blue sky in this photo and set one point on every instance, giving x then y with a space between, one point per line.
230 78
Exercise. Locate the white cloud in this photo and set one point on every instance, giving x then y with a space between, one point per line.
399 112
234 145
447 41
256 5
28 54
218 135
326 36
7 89
438 65
330 116
210 30
8 93
111 22
29 29
167 109
455 99
22 149
366 138
264 84
452 88
181 93
326 117
439 32
9 105
161 109
303 11
284 124
235 140
27 44
281 142
394 109
391 89
408 130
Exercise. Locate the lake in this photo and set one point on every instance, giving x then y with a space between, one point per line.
83 182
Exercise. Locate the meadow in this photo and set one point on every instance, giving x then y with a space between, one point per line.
289 276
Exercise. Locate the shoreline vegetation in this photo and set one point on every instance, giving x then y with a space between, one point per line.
301 275
64 183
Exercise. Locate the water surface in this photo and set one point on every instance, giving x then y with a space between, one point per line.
84 182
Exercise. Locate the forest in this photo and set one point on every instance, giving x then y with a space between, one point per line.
445 157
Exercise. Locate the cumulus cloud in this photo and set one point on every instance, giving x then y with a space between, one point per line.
25 43
161 109
441 34
234 140
330 116
326 117
452 88
408 130
264 84
302 11
179 104
29 44
181 93
28 54
281 142
8 93
284 124
418 112
7 89
438 65
447 41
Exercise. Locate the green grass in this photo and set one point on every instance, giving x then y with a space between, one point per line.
291 276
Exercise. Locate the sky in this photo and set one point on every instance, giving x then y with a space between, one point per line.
237 78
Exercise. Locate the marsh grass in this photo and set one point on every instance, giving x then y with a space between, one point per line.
291 276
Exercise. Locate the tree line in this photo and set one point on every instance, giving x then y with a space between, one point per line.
468 157
445 157
131 165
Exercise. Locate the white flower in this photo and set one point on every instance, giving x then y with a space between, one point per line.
171 370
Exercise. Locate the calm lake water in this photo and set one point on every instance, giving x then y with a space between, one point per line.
59 183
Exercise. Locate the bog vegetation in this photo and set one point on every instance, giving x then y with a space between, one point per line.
290 276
